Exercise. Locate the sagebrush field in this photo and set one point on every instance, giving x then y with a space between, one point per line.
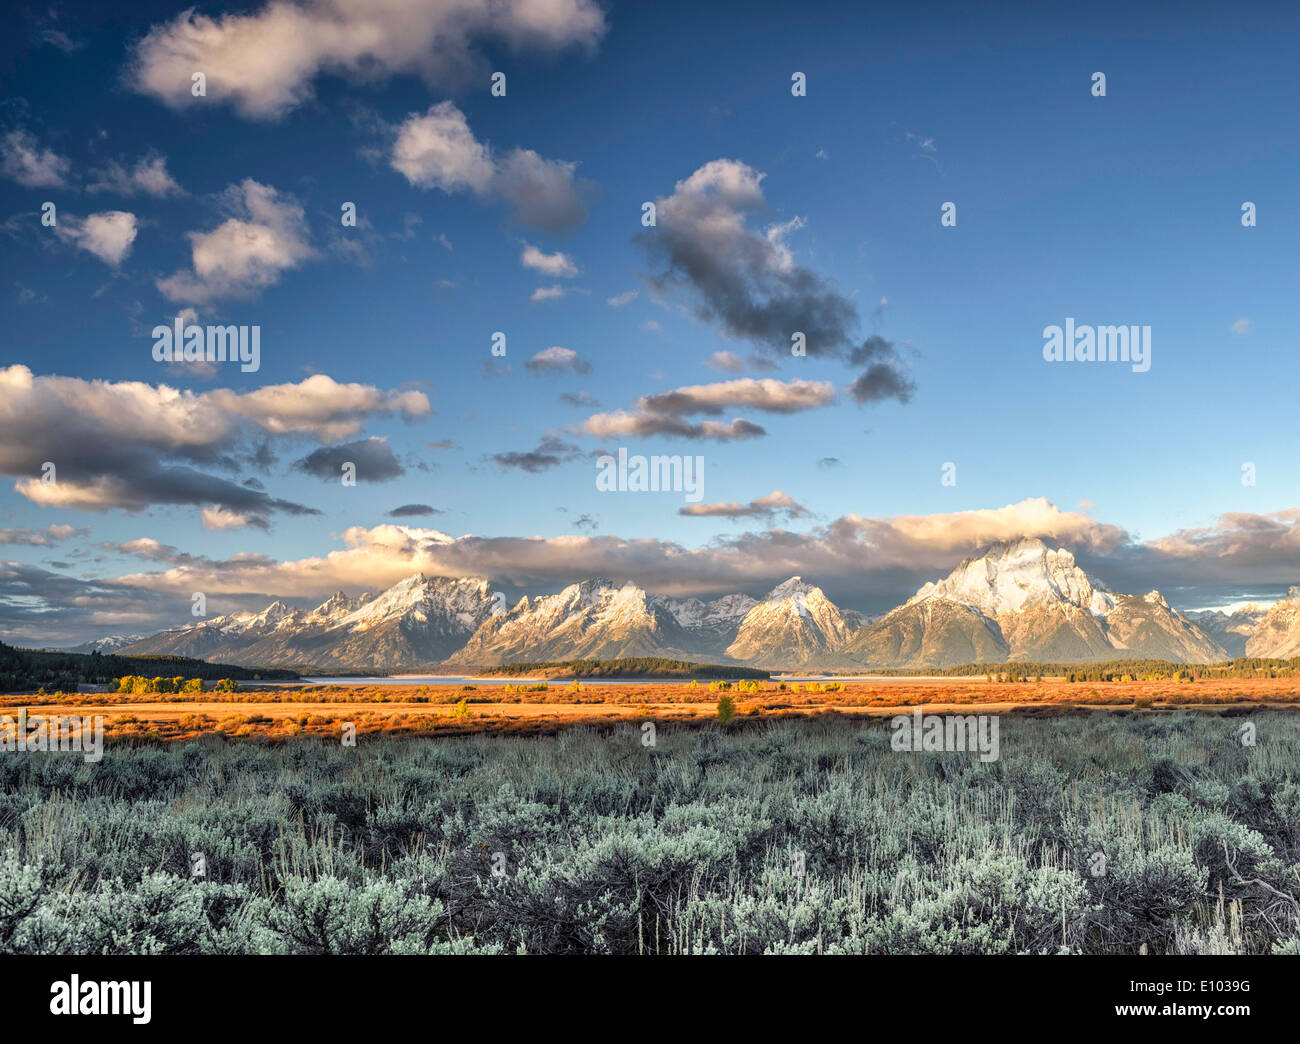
1094 832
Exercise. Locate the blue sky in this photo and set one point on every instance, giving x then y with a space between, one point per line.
1123 209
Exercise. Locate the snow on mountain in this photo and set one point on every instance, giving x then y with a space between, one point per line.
1021 600
795 625
713 625
110 643
419 620
1025 601
1019 575
594 619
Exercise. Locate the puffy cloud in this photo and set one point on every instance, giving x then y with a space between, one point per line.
264 62
24 161
1240 556
776 504
107 235
223 518
439 150
557 360
557 265
319 406
265 236
373 459
746 280
868 563
130 444
854 558
149 177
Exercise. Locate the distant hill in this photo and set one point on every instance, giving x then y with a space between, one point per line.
55 670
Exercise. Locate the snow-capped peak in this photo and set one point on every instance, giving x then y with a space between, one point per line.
418 598
1017 575
791 588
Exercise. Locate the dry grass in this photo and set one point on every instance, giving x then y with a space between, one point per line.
277 712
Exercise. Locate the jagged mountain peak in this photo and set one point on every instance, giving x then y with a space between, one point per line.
1015 575
796 585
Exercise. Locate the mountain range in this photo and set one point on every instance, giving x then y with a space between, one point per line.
1021 600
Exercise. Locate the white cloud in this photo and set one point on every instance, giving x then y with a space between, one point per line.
619 300
547 293
107 235
901 552
1241 327
264 62
438 150
557 265
222 518
266 236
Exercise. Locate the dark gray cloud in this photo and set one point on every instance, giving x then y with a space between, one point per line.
96 445
746 281
373 459
551 451
413 511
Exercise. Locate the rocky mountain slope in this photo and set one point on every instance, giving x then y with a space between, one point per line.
1026 601
796 625
1231 630
1017 601
419 620
1278 633
595 619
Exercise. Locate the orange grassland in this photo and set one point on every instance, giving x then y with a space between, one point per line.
283 712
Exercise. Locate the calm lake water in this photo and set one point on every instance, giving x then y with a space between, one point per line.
448 679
